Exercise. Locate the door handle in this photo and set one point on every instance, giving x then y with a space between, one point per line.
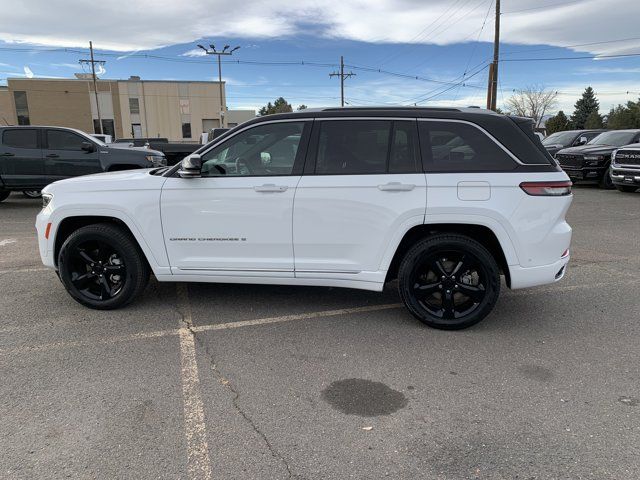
53 155
396 187
270 187
7 154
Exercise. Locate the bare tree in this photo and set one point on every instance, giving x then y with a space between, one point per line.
533 101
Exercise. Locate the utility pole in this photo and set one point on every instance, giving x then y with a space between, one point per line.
213 51
342 76
492 92
95 83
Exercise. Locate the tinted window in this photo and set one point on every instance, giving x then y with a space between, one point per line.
467 150
20 138
404 154
353 147
269 149
61 140
615 138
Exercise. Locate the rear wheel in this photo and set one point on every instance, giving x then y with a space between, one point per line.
449 281
32 193
626 188
4 195
102 267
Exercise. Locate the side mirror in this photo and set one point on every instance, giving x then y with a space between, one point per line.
582 140
88 147
190 166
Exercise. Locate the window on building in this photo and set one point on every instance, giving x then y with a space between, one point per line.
136 130
186 130
108 127
453 147
63 140
350 147
184 106
22 108
20 138
134 106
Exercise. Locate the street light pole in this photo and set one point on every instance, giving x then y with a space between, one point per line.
224 51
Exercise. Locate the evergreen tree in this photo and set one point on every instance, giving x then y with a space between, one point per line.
594 120
624 116
279 106
584 107
557 123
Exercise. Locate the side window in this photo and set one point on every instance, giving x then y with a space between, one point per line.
350 147
468 149
264 150
20 138
61 140
404 154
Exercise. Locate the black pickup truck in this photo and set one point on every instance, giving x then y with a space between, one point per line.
568 138
625 168
591 162
33 157
173 151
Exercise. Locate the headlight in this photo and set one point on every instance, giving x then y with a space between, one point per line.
613 156
156 160
46 199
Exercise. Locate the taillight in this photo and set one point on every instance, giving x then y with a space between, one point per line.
547 189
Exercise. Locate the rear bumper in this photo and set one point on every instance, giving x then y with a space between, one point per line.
522 277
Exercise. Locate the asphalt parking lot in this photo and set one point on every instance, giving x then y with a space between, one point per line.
237 381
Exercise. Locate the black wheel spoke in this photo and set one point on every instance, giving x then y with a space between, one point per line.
474 293
115 269
81 281
85 256
106 289
448 306
426 289
438 268
462 265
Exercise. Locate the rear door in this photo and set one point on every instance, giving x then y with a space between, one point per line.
21 163
362 185
64 156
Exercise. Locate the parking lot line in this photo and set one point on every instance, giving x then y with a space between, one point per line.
199 465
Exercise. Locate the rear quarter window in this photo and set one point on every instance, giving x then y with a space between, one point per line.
460 147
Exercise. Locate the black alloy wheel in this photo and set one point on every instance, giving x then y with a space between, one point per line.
449 281
102 267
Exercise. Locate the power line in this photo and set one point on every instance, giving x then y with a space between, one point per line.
585 57
343 76
553 5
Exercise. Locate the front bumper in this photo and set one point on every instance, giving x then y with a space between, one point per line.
46 245
592 174
625 176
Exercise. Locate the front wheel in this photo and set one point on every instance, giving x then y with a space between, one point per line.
102 267
449 281
606 182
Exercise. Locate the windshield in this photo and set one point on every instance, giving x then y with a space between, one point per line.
614 138
560 138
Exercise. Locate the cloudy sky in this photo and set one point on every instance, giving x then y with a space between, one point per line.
289 48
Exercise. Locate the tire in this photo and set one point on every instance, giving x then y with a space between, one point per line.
32 193
102 267
626 188
449 281
606 182
4 194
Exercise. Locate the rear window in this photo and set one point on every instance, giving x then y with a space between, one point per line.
20 138
459 147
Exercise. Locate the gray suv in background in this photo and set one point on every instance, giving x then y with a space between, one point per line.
33 157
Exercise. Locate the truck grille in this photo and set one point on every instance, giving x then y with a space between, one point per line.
567 160
626 157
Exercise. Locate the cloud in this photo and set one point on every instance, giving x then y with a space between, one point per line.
152 24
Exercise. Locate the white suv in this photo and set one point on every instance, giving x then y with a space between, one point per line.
445 200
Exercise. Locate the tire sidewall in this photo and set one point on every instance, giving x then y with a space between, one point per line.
425 248
127 252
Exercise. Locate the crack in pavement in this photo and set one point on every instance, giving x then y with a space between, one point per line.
187 321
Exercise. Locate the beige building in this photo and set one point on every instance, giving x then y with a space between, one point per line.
177 110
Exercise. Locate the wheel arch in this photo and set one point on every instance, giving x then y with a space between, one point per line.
481 233
70 224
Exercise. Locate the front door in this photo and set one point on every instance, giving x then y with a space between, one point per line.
366 186
21 163
236 219
64 156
